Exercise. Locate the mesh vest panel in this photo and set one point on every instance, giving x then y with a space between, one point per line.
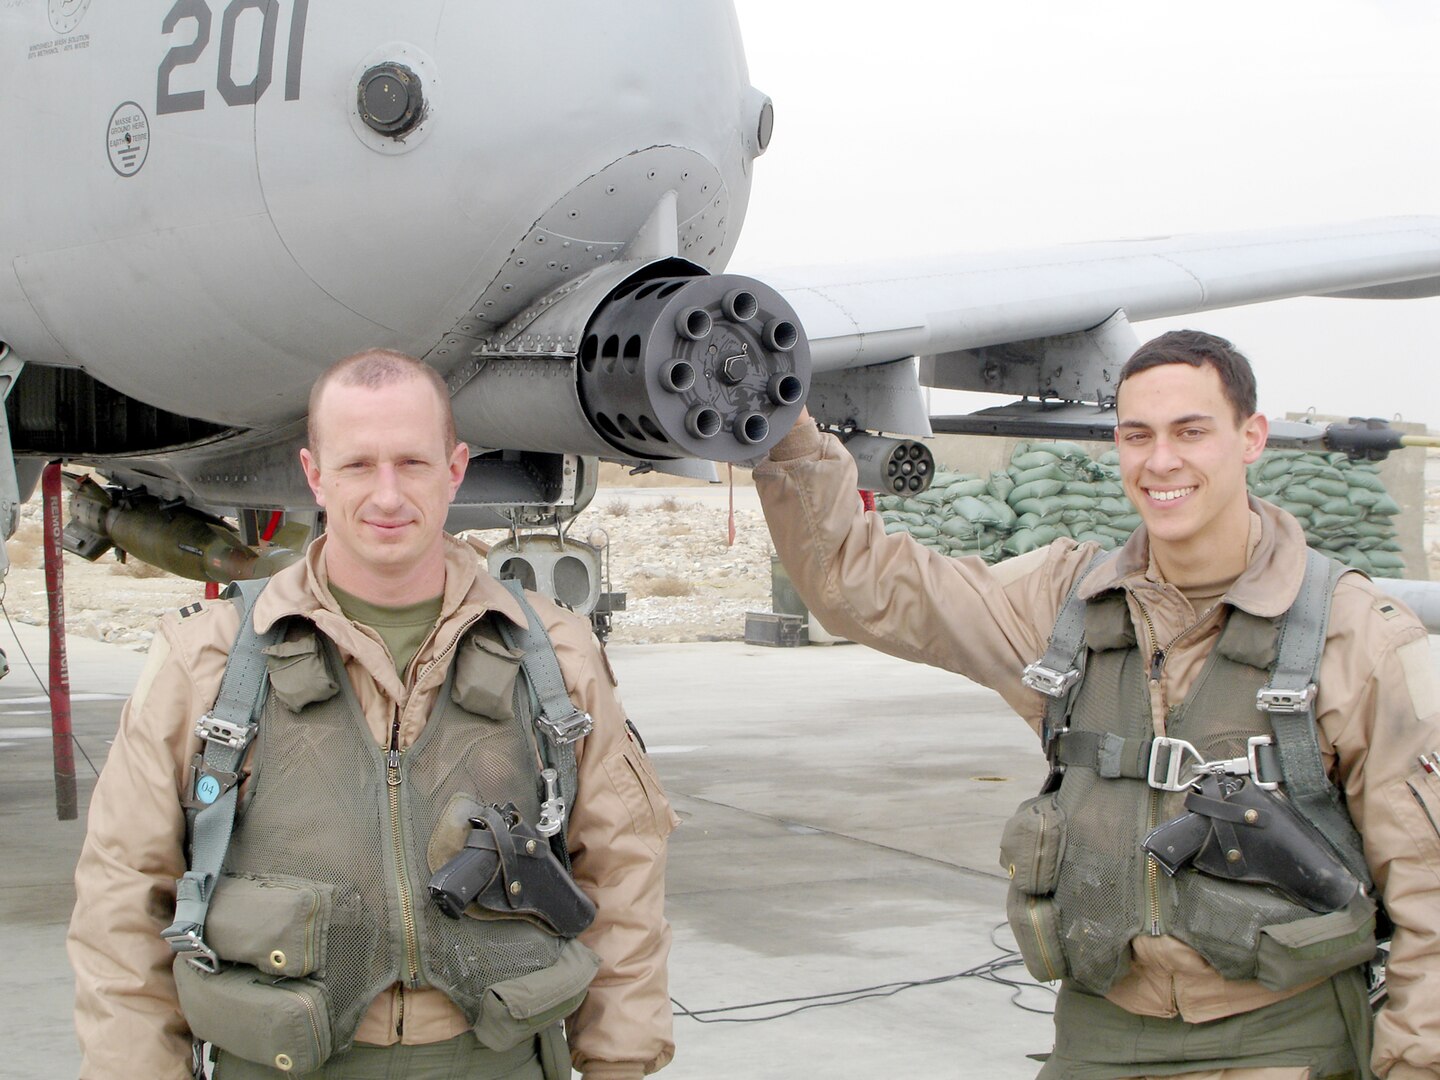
319 808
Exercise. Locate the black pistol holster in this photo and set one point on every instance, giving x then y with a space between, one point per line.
1238 831
508 868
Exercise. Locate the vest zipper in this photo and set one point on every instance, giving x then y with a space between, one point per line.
1155 674
1152 868
397 838
1039 935
309 1012
402 873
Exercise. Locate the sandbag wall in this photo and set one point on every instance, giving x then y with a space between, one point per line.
1054 489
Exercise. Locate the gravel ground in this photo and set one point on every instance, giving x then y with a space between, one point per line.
668 553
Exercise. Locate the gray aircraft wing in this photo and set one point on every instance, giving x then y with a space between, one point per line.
1052 323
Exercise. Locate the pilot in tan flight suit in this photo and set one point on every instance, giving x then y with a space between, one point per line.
1193 874
395 740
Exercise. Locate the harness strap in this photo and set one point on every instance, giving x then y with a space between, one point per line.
1057 674
1113 757
558 720
227 731
1289 699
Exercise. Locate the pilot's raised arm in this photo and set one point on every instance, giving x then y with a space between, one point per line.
1213 676
898 596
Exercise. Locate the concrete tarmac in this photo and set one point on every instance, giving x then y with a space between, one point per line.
841 818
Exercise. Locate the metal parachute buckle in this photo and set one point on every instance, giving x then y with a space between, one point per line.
566 729
1276 699
1249 765
1167 758
212 728
192 947
1048 681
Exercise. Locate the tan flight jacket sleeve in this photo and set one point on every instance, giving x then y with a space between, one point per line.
898 596
1380 707
127 1017
617 835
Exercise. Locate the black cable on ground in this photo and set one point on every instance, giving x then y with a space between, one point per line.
18 644
990 971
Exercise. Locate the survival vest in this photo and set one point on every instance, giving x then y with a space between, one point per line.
1082 887
321 891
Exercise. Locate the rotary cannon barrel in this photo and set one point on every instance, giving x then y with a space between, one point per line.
708 367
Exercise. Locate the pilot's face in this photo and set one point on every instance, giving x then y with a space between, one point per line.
1182 461
385 478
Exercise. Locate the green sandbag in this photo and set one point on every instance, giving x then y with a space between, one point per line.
1113 507
1109 489
1035 489
1090 536
924 532
1299 493
1045 472
1335 486
929 498
1111 531
1073 518
1386 560
972 509
970 486
1040 507
1001 484
895 527
1028 520
1072 501
1065 449
1385 506
1033 459
1001 513
957 528
1367 478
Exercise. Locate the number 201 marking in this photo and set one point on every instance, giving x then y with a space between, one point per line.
198 11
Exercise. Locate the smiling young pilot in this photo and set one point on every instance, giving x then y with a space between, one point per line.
1214 954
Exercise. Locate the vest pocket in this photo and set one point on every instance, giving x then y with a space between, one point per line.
1036 925
514 1010
1032 844
1307 949
485 673
280 1023
278 925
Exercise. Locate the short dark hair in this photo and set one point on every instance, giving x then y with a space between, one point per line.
373 369
1196 348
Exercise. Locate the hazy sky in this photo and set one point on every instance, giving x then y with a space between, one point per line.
909 127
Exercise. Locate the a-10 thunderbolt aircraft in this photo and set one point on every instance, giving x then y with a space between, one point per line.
211 200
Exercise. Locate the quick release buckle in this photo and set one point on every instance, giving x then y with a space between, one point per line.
1249 765
1168 758
1048 681
192 947
1278 700
212 728
567 729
